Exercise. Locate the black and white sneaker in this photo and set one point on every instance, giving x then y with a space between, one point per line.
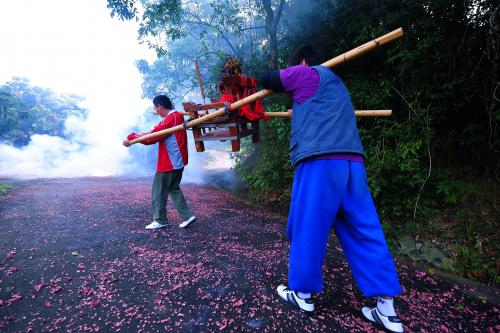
389 323
291 296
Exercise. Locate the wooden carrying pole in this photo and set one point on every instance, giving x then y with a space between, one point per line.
369 46
359 113
199 79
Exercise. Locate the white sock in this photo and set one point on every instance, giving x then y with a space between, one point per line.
386 306
303 295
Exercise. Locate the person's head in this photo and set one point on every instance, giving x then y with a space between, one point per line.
162 105
306 55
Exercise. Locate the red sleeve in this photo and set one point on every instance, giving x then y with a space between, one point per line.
168 122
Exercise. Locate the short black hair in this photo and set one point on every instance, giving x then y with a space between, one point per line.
311 54
163 101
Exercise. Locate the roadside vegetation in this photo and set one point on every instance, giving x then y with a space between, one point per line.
5 188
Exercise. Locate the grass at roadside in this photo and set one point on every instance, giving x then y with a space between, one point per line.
4 188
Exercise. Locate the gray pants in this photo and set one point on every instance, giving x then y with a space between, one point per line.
166 183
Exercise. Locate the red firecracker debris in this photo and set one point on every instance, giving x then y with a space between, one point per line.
219 274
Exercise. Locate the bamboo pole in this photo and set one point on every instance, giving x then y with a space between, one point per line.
387 38
373 113
359 113
288 114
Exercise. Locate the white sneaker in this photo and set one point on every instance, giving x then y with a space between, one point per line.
291 296
390 323
155 225
190 220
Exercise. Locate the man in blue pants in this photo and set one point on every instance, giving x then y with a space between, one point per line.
330 190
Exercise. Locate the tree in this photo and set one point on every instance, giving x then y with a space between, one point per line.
181 31
272 21
26 110
12 110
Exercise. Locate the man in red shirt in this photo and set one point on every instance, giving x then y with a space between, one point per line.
172 157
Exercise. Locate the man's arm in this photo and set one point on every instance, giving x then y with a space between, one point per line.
299 81
168 122
271 80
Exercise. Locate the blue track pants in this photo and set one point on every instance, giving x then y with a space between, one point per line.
334 193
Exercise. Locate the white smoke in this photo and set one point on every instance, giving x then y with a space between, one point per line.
90 152
48 156
201 165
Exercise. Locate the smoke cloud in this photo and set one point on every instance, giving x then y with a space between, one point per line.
95 150
45 156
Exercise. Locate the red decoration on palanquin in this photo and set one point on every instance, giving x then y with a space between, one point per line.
243 122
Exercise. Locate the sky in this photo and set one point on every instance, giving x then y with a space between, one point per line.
75 47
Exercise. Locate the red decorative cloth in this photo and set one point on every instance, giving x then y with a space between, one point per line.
245 87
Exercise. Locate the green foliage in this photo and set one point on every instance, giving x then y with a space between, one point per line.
451 190
26 110
180 31
200 22
4 188
396 163
267 170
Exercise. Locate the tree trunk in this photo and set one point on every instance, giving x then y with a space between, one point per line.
271 29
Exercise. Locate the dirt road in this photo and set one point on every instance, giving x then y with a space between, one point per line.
74 256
